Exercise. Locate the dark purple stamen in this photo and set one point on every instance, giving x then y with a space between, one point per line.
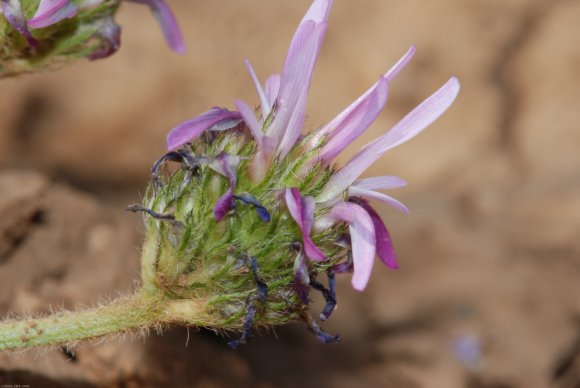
158 216
182 157
249 199
262 287
247 326
301 290
344 267
328 294
317 331
174 156
252 304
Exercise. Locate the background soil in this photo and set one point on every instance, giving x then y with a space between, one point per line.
488 292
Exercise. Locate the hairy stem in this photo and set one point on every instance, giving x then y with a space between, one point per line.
122 315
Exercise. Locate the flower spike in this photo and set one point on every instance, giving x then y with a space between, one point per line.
313 218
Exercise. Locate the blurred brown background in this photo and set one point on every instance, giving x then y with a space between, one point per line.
490 254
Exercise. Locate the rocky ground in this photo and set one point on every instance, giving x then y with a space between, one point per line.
487 295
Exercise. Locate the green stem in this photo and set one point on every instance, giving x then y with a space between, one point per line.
121 316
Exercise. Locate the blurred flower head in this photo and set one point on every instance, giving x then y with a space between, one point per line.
47 33
251 185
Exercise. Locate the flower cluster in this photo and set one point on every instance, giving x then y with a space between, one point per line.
89 21
253 192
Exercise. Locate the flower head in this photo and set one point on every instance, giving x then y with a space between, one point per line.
320 219
61 30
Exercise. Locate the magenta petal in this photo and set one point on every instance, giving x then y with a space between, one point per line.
356 191
52 11
385 249
224 204
356 122
380 183
213 119
302 211
411 125
362 234
167 22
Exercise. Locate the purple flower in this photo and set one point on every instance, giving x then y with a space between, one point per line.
282 158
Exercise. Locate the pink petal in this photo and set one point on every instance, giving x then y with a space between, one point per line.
167 22
318 11
263 158
296 77
294 126
52 11
265 105
224 204
401 64
297 72
411 125
302 211
380 182
213 119
362 234
385 248
329 128
250 120
272 88
358 192
356 122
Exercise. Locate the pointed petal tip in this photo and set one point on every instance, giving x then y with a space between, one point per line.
318 11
